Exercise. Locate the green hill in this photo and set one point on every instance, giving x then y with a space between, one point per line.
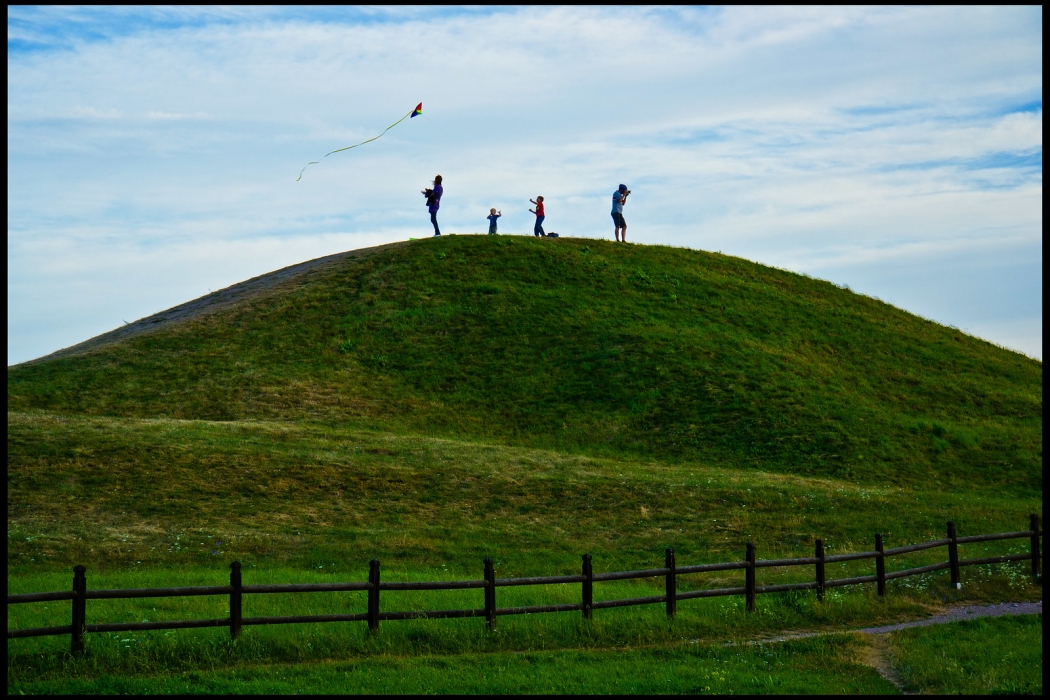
437 402
580 346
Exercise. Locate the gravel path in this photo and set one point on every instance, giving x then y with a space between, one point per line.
967 612
964 612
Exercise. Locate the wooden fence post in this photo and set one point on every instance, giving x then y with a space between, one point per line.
79 608
235 600
749 577
953 555
819 554
671 584
880 565
1034 524
588 587
490 595
373 596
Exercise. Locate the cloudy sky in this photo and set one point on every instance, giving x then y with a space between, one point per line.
152 153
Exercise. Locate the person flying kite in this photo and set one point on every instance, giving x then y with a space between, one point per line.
414 113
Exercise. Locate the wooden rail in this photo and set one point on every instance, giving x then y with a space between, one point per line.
79 595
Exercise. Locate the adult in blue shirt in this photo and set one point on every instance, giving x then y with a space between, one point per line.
618 199
434 202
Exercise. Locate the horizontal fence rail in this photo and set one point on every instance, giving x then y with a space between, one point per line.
79 595
106 594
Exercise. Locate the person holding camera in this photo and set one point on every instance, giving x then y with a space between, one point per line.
618 199
434 202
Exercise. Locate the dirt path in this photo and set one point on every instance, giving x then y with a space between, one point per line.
963 612
221 299
877 653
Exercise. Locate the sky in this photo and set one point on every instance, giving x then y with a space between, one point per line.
153 152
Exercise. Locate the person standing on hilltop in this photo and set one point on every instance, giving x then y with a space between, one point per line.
618 199
538 229
434 202
493 217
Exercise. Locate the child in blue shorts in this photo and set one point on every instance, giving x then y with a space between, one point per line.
492 221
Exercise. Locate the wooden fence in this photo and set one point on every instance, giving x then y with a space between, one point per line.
79 595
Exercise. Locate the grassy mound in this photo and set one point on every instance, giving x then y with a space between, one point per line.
437 402
586 347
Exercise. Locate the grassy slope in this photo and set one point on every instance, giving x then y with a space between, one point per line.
583 346
451 399
112 492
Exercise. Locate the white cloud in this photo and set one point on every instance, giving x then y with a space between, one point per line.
96 113
174 116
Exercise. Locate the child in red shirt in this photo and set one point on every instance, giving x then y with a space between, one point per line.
538 229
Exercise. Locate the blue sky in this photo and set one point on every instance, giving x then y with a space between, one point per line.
152 152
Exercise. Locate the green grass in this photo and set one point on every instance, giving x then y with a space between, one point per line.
122 493
591 348
435 403
1000 656
815 666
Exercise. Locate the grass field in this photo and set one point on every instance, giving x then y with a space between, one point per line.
820 666
1002 656
435 403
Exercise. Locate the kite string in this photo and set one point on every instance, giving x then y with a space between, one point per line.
315 162
312 162
373 138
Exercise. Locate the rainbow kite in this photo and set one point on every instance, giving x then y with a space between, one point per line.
414 113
